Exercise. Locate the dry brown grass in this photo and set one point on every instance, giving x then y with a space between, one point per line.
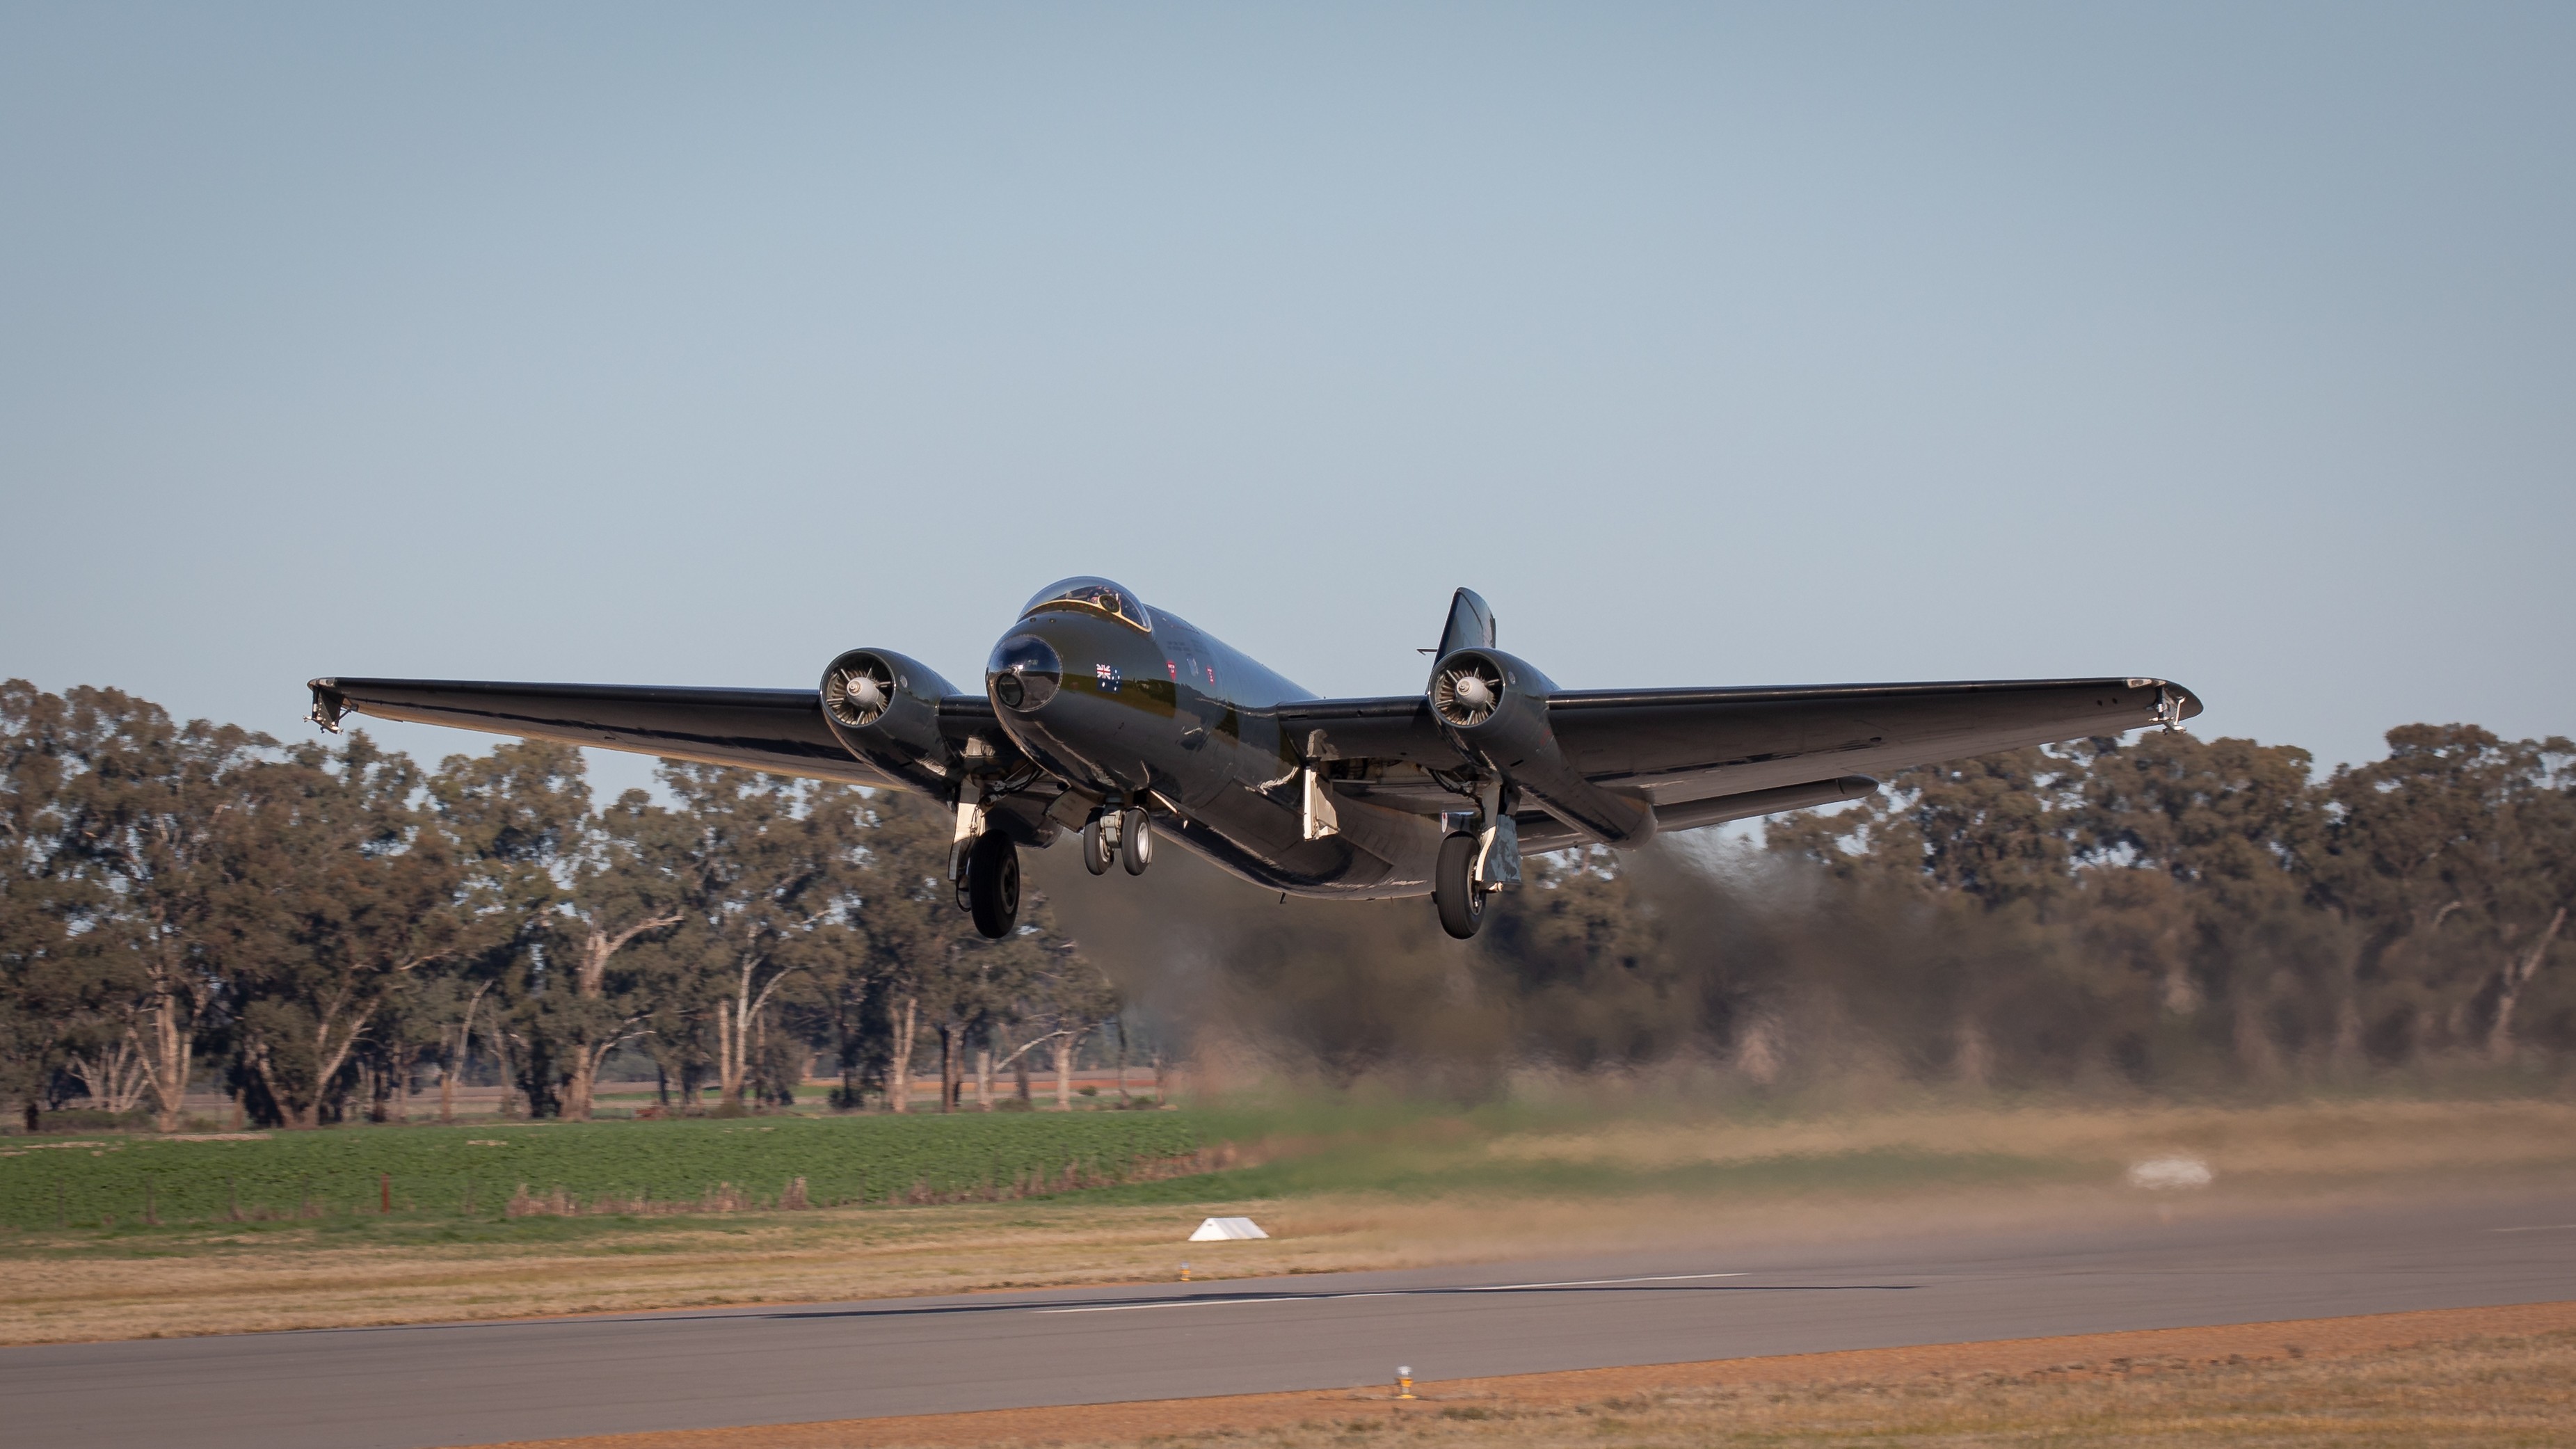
2476 1376
74 1287
2515 1391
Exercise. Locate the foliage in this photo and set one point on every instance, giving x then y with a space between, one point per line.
636 1165
323 924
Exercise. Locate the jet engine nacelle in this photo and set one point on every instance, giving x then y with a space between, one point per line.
884 708
1495 707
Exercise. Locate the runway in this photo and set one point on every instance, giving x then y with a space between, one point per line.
457 1384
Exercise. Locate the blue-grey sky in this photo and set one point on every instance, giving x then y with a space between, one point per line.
1714 344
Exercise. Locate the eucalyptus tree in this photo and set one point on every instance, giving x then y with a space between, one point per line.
562 893
2458 853
626 889
337 896
156 819
767 873
2199 877
38 976
1064 998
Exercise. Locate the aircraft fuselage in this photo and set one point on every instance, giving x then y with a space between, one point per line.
1161 710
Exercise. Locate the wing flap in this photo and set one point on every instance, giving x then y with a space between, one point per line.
1540 831
1399 727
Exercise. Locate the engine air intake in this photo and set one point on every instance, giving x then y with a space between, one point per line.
1467 690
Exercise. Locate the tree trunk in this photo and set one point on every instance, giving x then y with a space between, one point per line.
984 1079
579 1083
590 983
1064 1048
168 1045
2518 972
951 1070
1020 1077
907 1021
728 1057
460 1056
499 1041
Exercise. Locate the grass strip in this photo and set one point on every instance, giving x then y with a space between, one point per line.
637 1168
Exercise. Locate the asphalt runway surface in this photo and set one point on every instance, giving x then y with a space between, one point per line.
456 1384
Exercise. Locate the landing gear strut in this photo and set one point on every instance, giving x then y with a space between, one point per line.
1454 888
993 884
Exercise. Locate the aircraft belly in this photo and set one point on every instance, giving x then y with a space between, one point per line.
1377 854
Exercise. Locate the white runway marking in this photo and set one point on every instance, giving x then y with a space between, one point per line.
2539 1228
1390 1293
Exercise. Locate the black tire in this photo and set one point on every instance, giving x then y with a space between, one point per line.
1096 851
1135 841
1453 889
993 884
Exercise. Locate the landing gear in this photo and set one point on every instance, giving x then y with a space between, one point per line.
1135 841
1454 888
1123 836
1099 845
993 884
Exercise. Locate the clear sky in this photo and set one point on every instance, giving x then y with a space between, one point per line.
693 344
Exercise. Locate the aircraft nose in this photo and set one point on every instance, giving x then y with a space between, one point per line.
1023 673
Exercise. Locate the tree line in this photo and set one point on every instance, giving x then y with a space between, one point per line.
315 928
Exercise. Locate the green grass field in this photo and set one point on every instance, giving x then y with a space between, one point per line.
476 1171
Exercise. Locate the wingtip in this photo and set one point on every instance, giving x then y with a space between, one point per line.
329 705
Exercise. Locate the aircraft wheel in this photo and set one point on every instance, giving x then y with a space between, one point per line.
1454 890
1098 850
993 884
1135 841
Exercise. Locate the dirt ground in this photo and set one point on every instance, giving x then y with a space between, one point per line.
217 1279
2476 1376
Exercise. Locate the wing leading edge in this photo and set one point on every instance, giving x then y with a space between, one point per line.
777 730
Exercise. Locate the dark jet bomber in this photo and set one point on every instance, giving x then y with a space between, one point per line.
1119 723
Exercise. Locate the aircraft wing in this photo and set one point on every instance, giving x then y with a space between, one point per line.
780 731
1705 755
1678 745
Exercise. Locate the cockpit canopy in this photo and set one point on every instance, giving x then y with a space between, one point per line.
1090 593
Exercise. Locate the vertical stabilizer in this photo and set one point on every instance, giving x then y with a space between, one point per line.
1471 624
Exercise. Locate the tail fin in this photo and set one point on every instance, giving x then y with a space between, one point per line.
1471 624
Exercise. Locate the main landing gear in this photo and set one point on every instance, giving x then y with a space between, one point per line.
1455 889
1124 836
991 890
988 864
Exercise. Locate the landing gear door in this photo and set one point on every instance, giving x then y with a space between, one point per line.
1317 818
1498 862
